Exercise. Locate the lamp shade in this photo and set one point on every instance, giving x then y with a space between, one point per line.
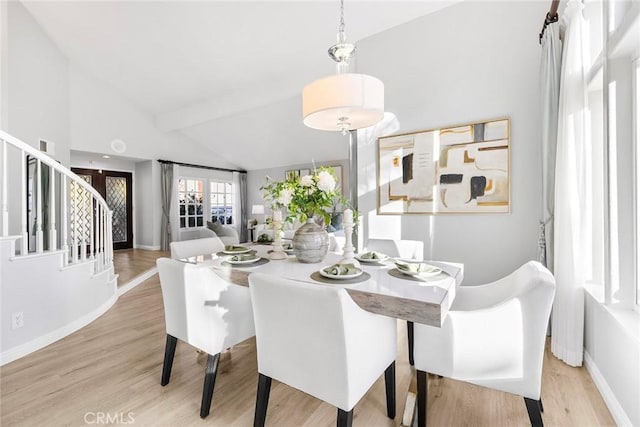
257 209
343 101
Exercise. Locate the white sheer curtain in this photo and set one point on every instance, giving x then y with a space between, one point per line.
570 193
550 90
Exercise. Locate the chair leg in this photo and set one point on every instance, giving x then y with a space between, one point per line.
534 409
541 407
410 341
423 384
262 400
345 418
209 384
390 388
169 352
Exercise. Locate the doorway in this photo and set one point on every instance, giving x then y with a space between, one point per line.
116 188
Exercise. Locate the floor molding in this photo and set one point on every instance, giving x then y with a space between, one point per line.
617 412
136 281
53 336
147 247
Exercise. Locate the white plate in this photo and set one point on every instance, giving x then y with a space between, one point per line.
237 252
433 272
359 258
340 277
248 261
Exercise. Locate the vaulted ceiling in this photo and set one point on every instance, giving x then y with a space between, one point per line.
226 73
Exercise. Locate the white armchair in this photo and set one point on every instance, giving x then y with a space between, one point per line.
493 336
190 248
204 310
319 342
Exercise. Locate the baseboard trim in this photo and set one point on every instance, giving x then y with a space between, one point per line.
146 247
53 336
136 281
617 412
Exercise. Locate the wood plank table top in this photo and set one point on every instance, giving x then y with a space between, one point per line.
388 294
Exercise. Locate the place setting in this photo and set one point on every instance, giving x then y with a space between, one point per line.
373 258
340 274
246 259
417 271
235 250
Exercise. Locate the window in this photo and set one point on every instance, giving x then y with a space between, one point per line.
190 199
221 202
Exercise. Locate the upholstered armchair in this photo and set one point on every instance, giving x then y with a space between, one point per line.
191 248
493 336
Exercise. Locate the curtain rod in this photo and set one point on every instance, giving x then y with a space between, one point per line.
190 165
552 16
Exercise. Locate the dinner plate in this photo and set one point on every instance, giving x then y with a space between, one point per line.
359 258
434 271
237 251
246 261
338 277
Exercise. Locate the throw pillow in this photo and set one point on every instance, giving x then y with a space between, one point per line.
336 221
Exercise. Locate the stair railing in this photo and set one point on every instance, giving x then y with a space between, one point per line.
61 197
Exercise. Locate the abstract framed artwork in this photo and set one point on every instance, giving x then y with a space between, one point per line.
458 169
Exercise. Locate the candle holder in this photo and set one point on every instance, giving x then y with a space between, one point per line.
278 251
347 223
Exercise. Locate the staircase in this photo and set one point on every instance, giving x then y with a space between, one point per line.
56 256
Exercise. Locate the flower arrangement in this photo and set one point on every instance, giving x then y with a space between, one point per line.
305 197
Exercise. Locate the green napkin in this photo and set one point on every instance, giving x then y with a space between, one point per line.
342 269
373 255
416 267
232 248
243 257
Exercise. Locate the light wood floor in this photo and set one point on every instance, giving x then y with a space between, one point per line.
114 364
128 263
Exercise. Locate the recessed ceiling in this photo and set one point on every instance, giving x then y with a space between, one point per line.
191 64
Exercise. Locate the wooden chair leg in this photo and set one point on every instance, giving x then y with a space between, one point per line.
262 400
423 384
390 388
410 341
534 410
209 384
169 352
345 419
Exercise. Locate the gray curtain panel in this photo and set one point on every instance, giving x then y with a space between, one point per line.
243 231
550 90
166 189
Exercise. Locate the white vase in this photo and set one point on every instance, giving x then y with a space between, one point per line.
310 242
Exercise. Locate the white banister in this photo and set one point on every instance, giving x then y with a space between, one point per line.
64 215
5 203
39 209
53 237
80 224
24 232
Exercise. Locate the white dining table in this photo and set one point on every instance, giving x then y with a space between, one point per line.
425 301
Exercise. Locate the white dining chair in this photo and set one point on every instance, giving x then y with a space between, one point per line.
493 336
405 249
190 248
205 311
315 338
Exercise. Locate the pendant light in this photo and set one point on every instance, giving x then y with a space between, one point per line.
344 101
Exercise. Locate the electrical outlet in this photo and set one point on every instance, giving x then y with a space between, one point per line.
17 320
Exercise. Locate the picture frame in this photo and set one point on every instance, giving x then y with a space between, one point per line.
455 169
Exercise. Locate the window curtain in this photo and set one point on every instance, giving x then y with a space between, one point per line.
567 326
550 90
166 193
240 179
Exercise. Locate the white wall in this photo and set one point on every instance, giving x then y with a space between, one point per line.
470 62
147 235
37 84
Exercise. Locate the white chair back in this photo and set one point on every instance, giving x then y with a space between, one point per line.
191 248
316 339
494 335
407 249
203 309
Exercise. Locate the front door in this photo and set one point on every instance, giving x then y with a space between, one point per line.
115 187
